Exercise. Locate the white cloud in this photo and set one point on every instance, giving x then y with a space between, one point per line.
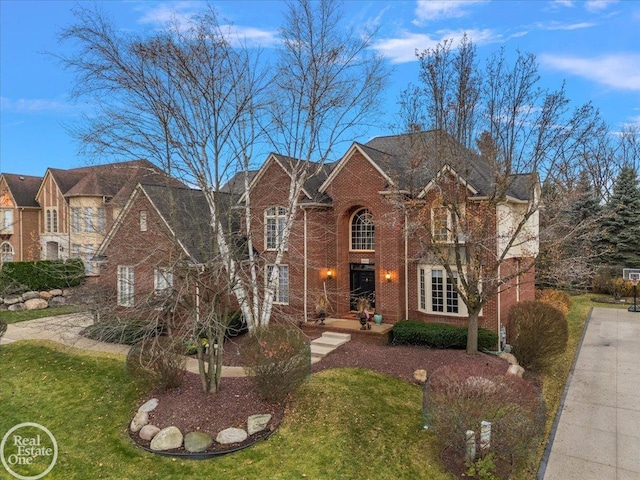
428 10
34 105
254 36
563 3
166 12
565 26
619 71
599 5
402 49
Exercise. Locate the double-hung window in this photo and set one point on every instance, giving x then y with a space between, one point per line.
125 286
281 283
6 221
445 225
275 221
437 292
162 280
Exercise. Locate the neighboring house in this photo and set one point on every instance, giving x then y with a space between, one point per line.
19 216
78 206
348 238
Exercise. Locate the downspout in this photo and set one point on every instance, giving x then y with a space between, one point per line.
406 266
499 311
306 266
21 243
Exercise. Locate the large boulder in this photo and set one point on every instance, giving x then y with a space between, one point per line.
36 304
516 370
57 301
149 405
30 295
46 295
167 439
17 307
231 435
148 432
140 419
13 299
195 442
257 423
56 292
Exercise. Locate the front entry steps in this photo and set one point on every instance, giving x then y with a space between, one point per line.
327 343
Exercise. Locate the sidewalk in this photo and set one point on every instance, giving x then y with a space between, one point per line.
65 329
597 436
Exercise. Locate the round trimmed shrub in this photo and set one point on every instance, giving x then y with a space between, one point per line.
538 333
278 359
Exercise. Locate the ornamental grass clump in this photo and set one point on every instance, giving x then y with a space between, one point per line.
158 362
458 398
278 360
538 334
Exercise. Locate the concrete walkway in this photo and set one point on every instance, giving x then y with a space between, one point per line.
597 434
65 329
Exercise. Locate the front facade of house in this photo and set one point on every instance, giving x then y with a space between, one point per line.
354 235
352 238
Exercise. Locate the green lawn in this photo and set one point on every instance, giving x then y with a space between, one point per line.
343 423
15 317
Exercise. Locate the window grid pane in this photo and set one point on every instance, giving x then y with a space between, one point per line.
362 231
437 291
423 290
452 297
274 226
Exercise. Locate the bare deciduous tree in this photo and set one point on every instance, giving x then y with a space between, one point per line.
194 100
520 131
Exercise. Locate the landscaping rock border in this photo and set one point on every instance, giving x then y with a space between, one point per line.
33 300
140 430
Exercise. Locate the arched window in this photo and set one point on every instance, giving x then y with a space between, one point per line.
362 231
6 252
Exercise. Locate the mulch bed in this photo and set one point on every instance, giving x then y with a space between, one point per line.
190 410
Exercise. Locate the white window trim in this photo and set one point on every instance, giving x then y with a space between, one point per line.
427 269
353 216
6 221
276 294
143 221
9 251
280 220
126 298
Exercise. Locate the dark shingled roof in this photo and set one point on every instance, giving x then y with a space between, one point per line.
115 181
412 160
23 188
186 211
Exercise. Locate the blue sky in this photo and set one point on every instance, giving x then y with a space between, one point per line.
594 46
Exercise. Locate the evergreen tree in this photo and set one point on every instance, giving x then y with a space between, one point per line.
620 241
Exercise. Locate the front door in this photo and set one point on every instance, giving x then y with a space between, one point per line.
363 283
52 250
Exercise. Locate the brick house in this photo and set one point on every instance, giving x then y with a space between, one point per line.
349 240
19 217
160 238
78 206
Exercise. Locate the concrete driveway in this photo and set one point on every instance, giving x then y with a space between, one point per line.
597 434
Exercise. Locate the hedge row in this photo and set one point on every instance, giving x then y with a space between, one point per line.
440 335
44 274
